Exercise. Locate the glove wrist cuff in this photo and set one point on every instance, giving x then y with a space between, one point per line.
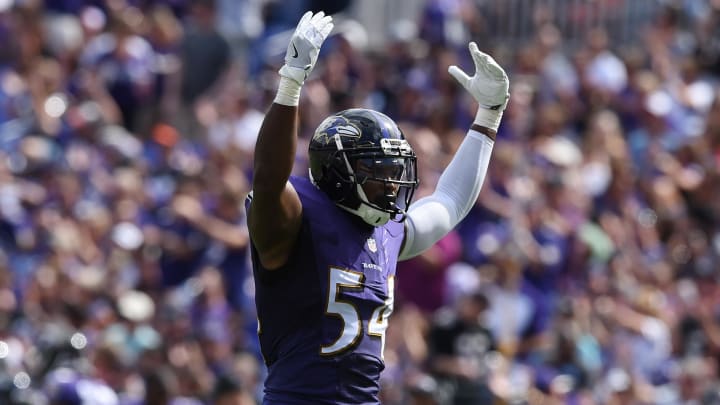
488 118
288 92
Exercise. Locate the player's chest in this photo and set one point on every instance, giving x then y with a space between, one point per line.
368 259
372 254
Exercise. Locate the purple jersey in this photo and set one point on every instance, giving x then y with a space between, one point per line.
322 317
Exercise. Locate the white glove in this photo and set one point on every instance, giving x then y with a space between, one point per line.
301 55
302 52
488 86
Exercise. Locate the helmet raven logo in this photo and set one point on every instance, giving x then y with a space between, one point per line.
336 126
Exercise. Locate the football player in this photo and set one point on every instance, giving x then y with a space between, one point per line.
325 248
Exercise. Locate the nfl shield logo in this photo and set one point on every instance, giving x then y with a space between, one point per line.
372 245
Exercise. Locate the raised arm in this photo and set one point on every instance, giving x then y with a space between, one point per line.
432 217
275 211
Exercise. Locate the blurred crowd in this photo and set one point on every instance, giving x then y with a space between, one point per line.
587 273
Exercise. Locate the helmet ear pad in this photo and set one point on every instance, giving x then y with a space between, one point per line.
338 187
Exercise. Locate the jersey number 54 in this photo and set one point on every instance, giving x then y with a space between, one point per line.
352 324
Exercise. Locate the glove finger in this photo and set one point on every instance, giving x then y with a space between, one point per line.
327 29
305 18
315 32
496 72
486 65
322 23
479 57
493 70
459 75
317 17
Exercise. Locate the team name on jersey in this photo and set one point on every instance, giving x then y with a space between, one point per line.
372 266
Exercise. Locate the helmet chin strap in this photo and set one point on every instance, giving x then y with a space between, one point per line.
369 214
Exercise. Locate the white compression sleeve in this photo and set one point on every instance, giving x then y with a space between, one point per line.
432 217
